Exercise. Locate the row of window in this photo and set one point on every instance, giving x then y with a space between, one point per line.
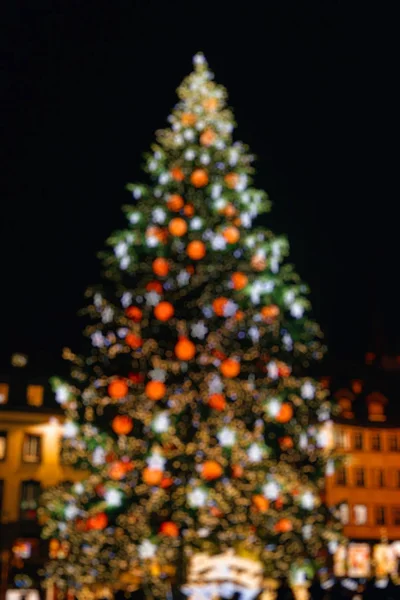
360 477
361 440
29 499
34 394
361 514
31 448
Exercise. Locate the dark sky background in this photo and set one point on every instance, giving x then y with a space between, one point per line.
86 84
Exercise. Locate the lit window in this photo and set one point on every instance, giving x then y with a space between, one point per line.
357 386
31 451
380 514
341 439
3 445
30 494
360 514
369 358
393 443
341 476
396 515
359 477
345 399
379 478
3 393
375 441
376 406
344 513
34 395
394 478
358 440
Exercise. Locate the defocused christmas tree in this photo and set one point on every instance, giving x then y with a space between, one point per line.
191 412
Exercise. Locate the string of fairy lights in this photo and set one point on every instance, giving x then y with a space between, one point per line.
190 414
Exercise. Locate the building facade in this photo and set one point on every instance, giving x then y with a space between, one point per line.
30 460
365 486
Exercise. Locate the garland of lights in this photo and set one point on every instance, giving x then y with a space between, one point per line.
190 413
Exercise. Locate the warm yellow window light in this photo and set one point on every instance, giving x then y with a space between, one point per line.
3 393
34 395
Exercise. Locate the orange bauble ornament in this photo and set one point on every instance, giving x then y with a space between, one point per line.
188 119
169 529
154 286
117 470
231 235
239 280
216 512
177 174
258 262
185 349
219 306
188 210
133 340
230 368
231 180
283 369
157 232
122 424
237 471
283 526
210 104
199 178
196 250
152 476
98 522
285 413
175 202
164 311
161 266
177 227
229 211
211 470
155 390
260 503
134 313
217 401
207 137
270 313
118 388
286 443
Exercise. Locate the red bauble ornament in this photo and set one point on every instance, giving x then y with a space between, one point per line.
97 522
169 529
217 401
134 313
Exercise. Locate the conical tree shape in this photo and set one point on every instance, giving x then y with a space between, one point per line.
191 412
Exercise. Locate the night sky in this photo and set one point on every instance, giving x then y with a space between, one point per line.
84 87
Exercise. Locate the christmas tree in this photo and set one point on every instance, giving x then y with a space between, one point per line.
192 414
